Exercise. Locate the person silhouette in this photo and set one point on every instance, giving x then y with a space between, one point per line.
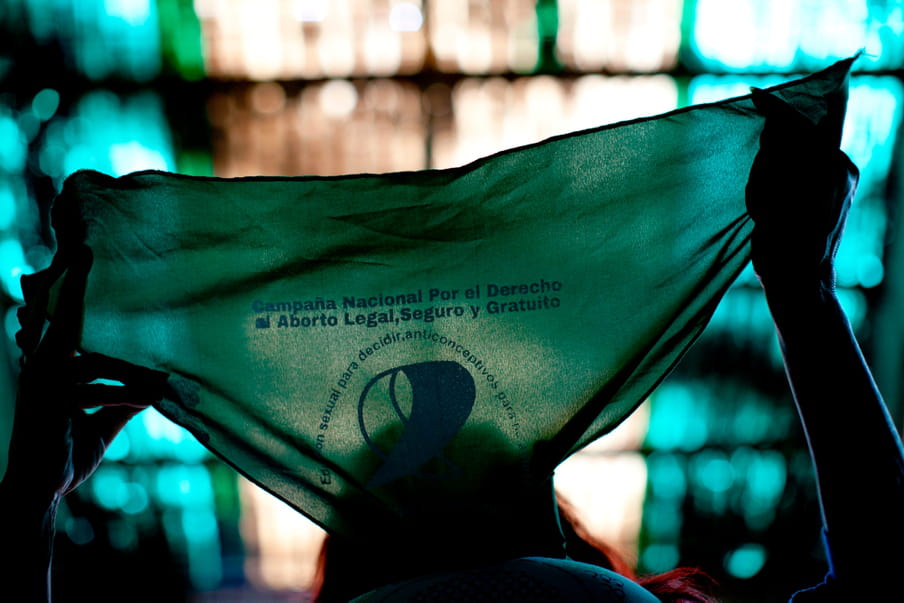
800 189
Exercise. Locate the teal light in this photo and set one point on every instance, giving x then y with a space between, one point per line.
742 35
29 125
46 18
711 470
833 29
118 448
189 518
135 13
12 267
863 245
745 561
117 37
709 88
762 476
766 474
752 419
109 487
132 156
199 525
870 138
79 530
186 486
678 419
665 473
111 134
13 147
712 478
870 270
659 557
45 104
138 499
871 128
7 205
203 547
743 310
11 327
152 437
169 485
662 519
104 38
156 437
776 35
854 304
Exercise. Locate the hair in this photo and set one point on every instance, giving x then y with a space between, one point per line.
679 585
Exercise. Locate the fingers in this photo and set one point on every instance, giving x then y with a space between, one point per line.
94 394
109 421
64 333
88 367
33 314
778 111
788 128
140 386
92 435
798 194
798 159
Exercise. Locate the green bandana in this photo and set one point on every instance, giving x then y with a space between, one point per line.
424 348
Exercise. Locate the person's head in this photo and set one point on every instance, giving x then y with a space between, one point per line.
346 569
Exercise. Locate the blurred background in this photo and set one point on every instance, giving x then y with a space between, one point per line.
711 471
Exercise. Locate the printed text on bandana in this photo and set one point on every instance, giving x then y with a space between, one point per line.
423 305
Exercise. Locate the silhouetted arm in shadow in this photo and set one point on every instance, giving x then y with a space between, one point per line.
799 194
55 444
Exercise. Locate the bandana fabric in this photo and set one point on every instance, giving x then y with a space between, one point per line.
404 348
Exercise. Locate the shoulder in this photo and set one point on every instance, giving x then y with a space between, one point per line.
527 579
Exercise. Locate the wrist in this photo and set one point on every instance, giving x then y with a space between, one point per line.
28 531
807 310
794 292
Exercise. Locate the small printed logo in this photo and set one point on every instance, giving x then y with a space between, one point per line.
408 414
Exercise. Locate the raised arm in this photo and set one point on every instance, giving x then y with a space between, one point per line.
799 194
55 444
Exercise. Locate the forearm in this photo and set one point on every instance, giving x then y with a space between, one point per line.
28 533
855 448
